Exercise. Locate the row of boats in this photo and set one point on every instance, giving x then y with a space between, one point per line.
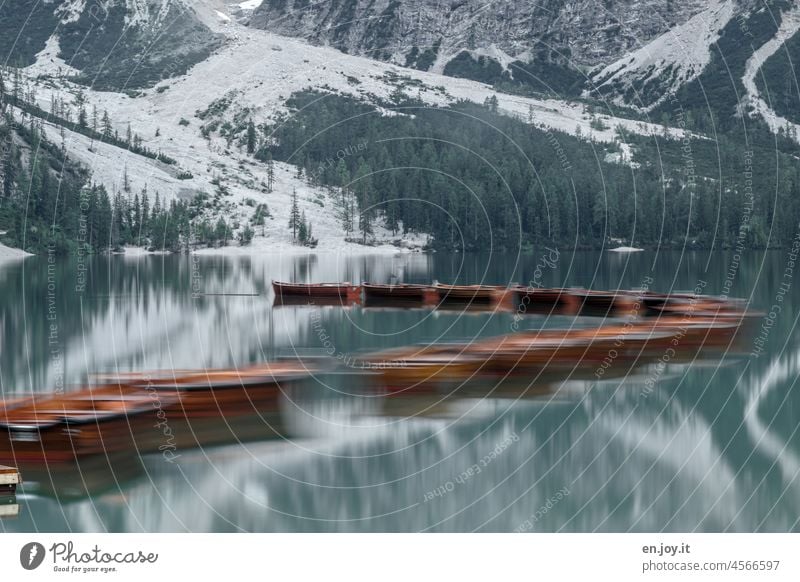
174 410
513 298
553 356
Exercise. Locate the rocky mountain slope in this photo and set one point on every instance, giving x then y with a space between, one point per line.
584 32
633 53
661 66
251 76
218 71
113 44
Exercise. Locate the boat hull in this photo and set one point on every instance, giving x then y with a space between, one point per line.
469 294
148 413
542 300
322 290
399 293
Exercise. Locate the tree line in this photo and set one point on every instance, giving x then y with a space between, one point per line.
75 116
48 203
477 179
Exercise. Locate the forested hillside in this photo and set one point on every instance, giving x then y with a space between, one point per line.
477 179
49 203
712 101
109 43
778 80
393 147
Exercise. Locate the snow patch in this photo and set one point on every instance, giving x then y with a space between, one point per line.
239 184
109 165
686 49
790 24
496 54
70 10
136 252
11 254
139 12
48 63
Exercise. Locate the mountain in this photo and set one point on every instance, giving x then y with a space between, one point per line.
632 53
551 46
114 44
211 106
583 32
647 75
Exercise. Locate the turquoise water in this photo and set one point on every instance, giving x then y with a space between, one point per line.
713 446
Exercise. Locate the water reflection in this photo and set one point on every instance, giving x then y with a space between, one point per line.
156 312
714 446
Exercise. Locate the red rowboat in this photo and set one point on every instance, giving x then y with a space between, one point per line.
404 292
603 303
485 294
540 299
337 290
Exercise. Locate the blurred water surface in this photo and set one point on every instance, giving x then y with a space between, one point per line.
714 447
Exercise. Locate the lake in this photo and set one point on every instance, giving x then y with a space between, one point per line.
713 446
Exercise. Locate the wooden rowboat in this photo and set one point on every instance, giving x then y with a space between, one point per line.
327 290
482 294
402 292
541 300
62 426
220 393
702 306
675 304
553 355
303 300
145 412
422 367
184 380
603 303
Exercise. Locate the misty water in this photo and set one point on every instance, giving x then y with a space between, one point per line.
712 447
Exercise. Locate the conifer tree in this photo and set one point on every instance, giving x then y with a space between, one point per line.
108 130
136 218
346 212
302 229
251 137
221 232
80 102
270 173
294 215
144 228
3 91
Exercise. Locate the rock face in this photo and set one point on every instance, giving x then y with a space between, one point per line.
583 33
131 44
116 44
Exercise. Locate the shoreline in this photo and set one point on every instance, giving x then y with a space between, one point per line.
349 249
12 253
